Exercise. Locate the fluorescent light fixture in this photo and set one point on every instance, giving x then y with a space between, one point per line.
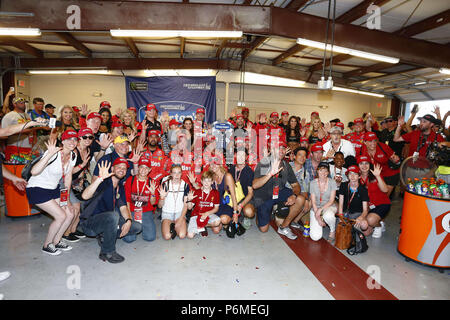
356 53
420 83
256 78
241 104
175 33
20 32
444 71
180 72
68 71
359 92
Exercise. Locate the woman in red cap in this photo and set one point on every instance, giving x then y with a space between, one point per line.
379 204
43 189
84 154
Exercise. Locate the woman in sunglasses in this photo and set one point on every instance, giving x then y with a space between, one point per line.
80 171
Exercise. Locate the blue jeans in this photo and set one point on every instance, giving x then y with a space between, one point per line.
109 224
148 228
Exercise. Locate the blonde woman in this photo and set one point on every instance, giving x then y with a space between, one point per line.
316 132
66 116
128 118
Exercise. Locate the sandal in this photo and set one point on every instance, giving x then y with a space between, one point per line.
332 239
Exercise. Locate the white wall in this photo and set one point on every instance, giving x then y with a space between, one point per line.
79 89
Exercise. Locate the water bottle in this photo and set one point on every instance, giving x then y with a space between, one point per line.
306 231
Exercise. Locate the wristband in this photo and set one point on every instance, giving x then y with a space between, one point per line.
129 219
101 149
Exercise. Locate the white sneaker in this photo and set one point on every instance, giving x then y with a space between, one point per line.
4 275
1 296
287 232
377 232
50 249
383 226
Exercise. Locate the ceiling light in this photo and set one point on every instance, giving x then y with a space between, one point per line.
175 33
420 83
444 71
356 53
20 32
256 78
359 92
68 71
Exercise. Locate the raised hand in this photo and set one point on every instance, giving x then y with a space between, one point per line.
152 187
85 157
136 156
191 196
84 109
275 168
105 141
376 170
401 121
162 192
131 136
51 146
103 170
191 177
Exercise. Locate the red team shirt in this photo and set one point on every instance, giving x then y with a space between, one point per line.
382 159
416 138
138 194
205 202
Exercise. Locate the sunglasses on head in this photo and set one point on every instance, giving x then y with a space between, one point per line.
87 137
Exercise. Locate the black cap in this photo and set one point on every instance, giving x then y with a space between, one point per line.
335 120
430 118
49 105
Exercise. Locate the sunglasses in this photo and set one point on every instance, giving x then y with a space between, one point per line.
87 137
389 120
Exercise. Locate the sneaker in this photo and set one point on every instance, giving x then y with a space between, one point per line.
4 275
204 233
172 231
297 225
377 232
230 230
79 234
111 257
63 246
287 232
247 223
50 249
240 230
71 238
1 296
383 226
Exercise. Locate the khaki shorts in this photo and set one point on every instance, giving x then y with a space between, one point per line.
192 227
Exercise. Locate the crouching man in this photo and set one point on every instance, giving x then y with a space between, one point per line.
107 216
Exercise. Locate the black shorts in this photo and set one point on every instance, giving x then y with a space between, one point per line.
382 210
38 195
392 180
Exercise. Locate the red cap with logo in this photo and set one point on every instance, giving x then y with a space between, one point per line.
144 162
105 104
285 113
340 125
154 132
352 168
94 115
200 110
69 133
244 109
370 136
316 147
133 109
274 114
314 113
84 132
151 106
362 158
76 109
120 160
117 124
173 122
358 120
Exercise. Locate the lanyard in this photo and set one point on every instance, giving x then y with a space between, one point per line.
143 188
351 198
421 142
236 179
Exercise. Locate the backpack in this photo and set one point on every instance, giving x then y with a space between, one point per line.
359 243
26 171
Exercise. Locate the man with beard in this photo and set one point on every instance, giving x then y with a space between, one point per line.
159 161
107 216
387 135
336 143
357 136
275 129
420 139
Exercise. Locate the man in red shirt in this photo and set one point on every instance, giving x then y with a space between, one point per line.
142 198
275 130
182 156
357 136
419 140
156 156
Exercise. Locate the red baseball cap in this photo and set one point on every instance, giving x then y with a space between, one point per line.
94 115
362 158
121 160
105 104
76 109
154 132
285 113
245 109
316 147
340 125
314 113
133 109
69 133
173 122
358 120
200 110
370 136
117 124
239 115
151 106
84 132
352 168
274 114
144 162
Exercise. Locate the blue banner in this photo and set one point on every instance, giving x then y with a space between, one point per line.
179 96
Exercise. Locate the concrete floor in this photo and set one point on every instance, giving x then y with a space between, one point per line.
255 266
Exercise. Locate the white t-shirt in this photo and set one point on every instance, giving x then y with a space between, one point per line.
13 118
51 175
335 171
174 201
346 147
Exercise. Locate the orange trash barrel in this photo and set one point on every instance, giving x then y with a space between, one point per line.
16 201
425 230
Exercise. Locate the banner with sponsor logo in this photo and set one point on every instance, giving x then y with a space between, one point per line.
179 96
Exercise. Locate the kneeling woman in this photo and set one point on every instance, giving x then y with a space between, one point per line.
378 190
354 199
140 192
43 189
323 193
173 194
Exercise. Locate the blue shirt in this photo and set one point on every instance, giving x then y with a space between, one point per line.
310 169
111 199
111 157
